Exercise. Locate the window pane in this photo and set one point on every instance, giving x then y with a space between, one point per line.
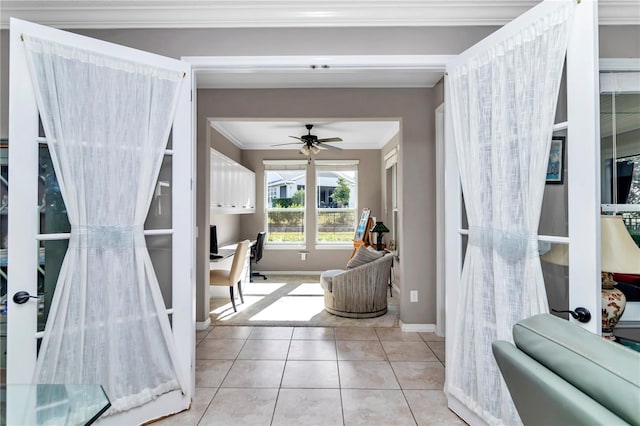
285 200
632 221
620 154
53 219
285 226
336 225
336 189
285 189
336 205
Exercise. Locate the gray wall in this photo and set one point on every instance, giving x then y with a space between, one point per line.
414 109
272 41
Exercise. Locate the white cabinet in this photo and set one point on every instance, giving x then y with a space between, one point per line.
233 187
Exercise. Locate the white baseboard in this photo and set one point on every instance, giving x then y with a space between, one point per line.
203 325
422 328
165 405
463 412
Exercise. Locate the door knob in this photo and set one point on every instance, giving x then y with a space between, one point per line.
581 314
22 297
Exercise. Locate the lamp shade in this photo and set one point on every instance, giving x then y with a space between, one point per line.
304 150
380 228
619 253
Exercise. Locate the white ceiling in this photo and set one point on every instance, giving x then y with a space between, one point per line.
262 134
285 13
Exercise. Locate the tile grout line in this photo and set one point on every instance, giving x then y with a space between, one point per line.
337 360
284 368
204 412
339 379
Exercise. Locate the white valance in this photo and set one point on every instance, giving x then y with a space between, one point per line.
284 164
337 165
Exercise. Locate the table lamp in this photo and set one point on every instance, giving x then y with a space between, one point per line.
379 229
619 254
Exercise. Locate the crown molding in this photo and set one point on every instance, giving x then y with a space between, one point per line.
284 13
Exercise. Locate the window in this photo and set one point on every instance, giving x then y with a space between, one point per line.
620 146
391 175
285 183
336 201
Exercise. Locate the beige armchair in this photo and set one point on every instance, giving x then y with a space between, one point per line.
360 292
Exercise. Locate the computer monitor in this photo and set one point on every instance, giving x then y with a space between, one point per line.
213 240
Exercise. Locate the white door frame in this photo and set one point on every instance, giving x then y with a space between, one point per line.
23 220
440 221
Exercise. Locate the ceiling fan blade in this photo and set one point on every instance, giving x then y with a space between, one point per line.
296 137
283 144
330 140
324 145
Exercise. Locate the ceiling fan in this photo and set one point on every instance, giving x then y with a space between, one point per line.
311 143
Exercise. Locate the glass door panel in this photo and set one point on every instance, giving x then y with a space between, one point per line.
620 173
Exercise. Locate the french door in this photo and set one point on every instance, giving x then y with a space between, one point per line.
39 229
582 184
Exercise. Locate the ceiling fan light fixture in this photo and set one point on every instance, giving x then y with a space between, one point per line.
315 149
304 150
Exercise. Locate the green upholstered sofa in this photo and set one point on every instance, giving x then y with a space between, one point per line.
560 374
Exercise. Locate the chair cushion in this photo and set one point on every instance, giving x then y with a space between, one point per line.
326 278
363 256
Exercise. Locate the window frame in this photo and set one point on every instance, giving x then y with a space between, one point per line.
284 166
335 166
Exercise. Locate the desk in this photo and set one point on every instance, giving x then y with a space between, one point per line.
224 253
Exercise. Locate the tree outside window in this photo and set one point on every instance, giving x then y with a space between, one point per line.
336 204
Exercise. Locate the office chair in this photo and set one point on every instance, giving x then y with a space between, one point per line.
256 254
224 277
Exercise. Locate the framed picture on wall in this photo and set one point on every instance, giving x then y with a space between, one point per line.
555 168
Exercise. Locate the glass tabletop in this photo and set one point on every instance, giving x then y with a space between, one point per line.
53 404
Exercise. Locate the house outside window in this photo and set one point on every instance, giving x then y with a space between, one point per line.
336 201
285 183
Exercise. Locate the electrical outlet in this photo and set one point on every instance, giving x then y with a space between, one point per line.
413 295
303 255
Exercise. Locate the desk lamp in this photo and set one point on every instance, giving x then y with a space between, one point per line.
379 229
619 254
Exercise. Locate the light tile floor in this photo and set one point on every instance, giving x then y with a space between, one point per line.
317 376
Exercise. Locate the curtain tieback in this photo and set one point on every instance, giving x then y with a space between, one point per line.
508 244
107 236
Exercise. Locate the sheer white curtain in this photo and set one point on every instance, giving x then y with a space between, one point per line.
503 103
107 122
